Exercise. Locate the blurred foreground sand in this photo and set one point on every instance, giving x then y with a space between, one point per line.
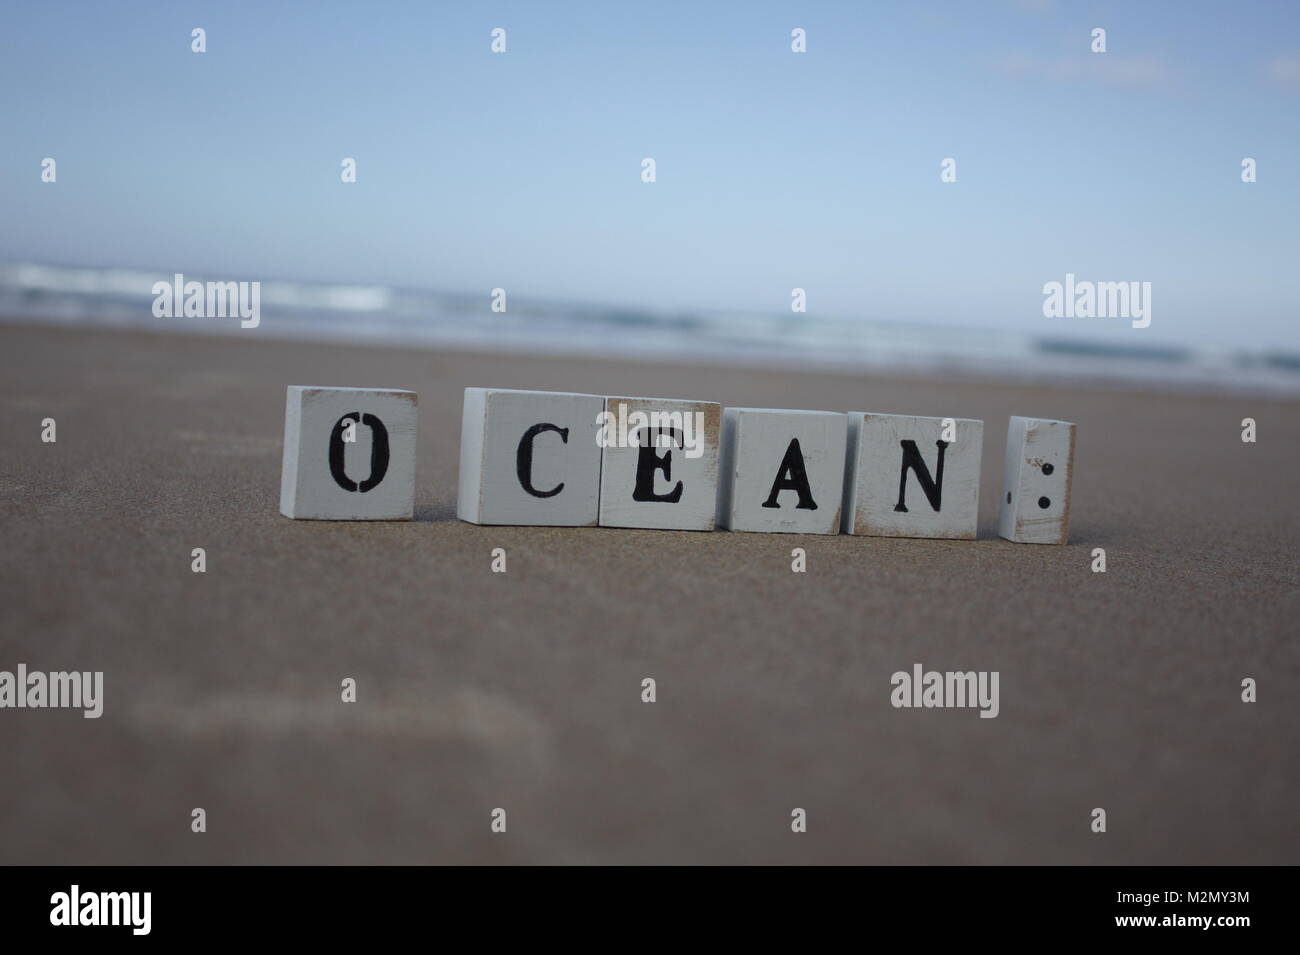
479 690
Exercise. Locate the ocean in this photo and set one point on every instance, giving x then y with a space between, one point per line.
120 298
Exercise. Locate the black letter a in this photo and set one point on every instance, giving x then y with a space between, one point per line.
792 477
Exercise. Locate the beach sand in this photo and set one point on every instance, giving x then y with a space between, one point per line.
522 690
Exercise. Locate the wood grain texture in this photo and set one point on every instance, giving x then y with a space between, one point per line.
692 480
1037 481
309 486
756 454
890 460
551 435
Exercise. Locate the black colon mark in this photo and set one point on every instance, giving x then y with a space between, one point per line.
1046 502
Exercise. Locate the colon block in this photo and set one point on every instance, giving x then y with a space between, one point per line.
1036 481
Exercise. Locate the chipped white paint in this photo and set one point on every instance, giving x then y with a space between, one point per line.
529 457
1037 479
768 455
370 478
676 491
902 479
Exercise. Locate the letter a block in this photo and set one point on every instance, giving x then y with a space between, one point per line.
782 471
349 454
659 467
912 477
1036 481
529 457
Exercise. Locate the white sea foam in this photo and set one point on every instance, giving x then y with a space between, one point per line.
123 298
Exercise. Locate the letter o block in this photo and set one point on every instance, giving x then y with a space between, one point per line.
904 478
349 454
782 471
529 458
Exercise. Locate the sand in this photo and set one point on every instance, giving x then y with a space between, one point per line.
523 690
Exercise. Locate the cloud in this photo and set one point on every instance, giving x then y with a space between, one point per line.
1284 71
1102 69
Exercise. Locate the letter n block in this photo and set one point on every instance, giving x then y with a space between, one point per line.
912 477
782 471
1036 481
529 457
349 454
659 466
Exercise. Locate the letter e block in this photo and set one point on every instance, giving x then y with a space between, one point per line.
782 471
1036 481
905 479
659 465
349 454
529 457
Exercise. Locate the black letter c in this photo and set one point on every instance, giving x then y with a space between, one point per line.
524 459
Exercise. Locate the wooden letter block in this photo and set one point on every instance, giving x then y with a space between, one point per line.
912 477
782 471
1036 481
529 457
349 454
659 464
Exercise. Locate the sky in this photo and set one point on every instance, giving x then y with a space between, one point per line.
774 169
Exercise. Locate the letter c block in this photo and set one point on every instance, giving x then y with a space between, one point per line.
529 458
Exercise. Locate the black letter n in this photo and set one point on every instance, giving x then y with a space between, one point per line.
933 488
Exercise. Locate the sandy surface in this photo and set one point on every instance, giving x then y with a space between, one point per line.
522 690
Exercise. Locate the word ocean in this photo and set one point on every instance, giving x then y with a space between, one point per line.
548 458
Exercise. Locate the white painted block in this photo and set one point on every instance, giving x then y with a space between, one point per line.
349 454
659 466
529 457
912 477
782 471
1036 481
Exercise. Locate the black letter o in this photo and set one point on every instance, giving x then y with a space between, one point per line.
378 453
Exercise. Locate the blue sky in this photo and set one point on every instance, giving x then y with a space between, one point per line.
775 169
